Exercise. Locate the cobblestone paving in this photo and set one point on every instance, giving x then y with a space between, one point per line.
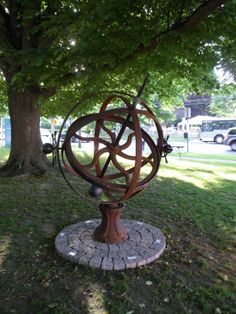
143 245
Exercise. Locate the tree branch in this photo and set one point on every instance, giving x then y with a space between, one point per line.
6 23
4 16
6 36
199 15
29 40
48 92
44 92
191 21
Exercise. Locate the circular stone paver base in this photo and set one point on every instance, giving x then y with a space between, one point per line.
143 245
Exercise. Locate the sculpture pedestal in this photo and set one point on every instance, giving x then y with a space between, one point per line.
111 229
144 244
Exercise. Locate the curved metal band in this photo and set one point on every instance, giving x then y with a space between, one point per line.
132 187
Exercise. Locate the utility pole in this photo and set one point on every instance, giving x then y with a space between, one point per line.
187 115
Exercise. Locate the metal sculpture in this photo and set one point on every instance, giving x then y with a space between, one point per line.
108 173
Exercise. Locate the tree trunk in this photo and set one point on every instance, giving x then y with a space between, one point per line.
26 145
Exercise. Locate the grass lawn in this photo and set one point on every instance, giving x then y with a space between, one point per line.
192 202
223 157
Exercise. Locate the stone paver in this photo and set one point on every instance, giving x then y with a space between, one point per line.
144 244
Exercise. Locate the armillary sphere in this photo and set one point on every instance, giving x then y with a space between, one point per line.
123 156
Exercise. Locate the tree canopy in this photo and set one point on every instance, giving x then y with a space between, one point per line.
223 102
84 45
67 49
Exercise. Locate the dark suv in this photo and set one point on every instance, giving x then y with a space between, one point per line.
230 138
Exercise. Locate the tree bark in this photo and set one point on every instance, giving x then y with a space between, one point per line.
26 145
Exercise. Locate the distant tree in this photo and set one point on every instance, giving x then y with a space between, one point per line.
223 102
224 106
226 44
45 123
50 46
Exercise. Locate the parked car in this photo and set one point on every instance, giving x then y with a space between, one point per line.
45 135
75 139
230 138
63 136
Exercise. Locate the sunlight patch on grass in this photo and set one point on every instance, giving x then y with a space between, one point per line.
3 160
170 173
206 156
202 175
4 153
4 248
227 176
95 300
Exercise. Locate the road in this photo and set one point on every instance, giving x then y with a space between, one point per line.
196 146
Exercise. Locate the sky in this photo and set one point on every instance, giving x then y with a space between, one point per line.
223 76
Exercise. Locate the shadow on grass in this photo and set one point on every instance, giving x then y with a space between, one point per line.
195 272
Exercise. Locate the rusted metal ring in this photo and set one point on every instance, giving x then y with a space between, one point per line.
133 186
59 152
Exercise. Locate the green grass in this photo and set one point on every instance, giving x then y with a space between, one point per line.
231 157
192 202
4 152
177 138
